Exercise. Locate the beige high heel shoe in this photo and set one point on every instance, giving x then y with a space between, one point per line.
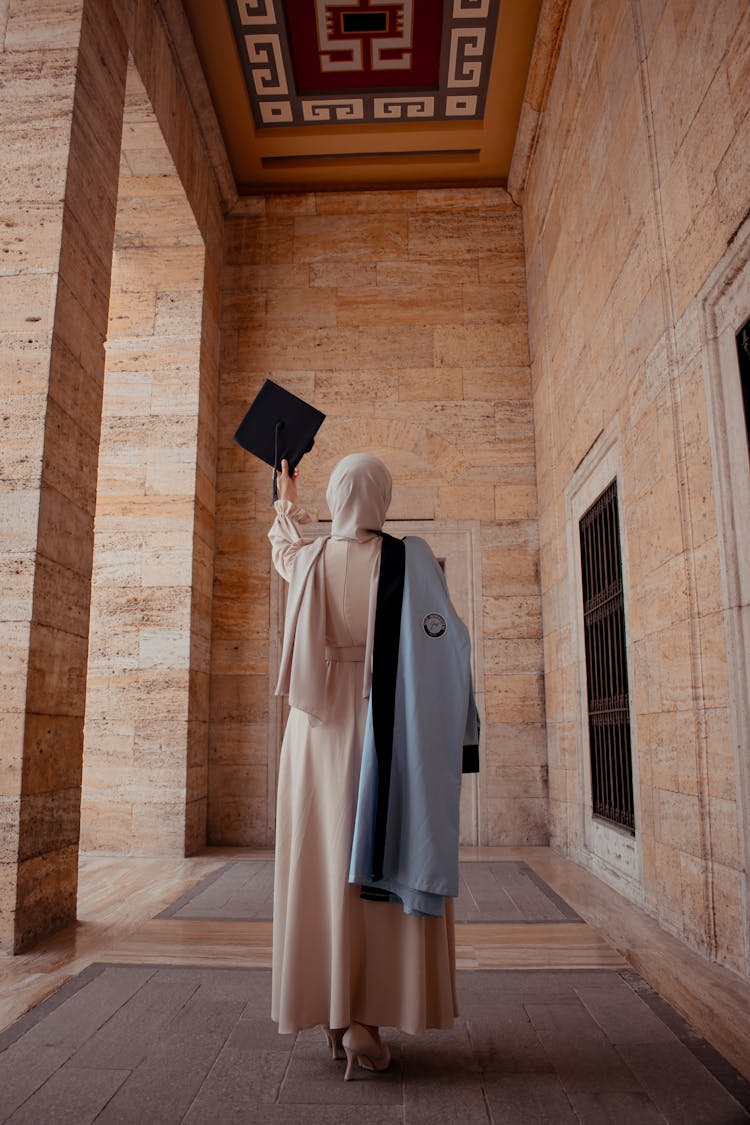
366 1048
334 1035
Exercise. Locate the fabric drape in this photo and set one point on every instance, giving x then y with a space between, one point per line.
336 957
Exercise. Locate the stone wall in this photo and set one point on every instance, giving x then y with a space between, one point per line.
638 183
63 74
63 68
149 546
401 315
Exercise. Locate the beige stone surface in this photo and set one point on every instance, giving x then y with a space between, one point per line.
639 135
348 237
63 77
510 817
515 697
401 315
429 384
46 891
406 316
63 73
146 731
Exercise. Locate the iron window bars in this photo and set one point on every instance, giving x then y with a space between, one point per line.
606 662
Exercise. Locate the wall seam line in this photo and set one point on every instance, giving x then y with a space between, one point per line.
684 497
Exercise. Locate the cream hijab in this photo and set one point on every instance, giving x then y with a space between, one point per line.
358 496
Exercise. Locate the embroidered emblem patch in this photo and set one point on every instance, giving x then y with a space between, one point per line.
434 624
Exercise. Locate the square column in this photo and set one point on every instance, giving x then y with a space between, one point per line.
144 774
63 74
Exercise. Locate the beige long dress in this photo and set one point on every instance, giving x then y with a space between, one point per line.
336 957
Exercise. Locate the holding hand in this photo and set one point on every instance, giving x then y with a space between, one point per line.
287 484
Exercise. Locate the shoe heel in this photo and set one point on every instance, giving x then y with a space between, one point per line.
333 1038
350 1057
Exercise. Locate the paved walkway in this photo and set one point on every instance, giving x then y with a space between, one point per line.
156 1045
168 1041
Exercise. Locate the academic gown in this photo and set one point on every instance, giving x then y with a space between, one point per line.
422 731
336 957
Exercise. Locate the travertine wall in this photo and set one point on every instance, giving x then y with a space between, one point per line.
401 315
149 545
63 80
63 75
638 183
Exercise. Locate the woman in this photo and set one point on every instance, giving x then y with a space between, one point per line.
340 960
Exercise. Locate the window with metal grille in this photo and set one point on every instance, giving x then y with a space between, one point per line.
606 662
743 356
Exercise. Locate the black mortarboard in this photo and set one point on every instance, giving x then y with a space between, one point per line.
278 426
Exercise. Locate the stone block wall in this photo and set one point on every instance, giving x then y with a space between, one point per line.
401 315
160 44
638 183
150 540
63 73
63 68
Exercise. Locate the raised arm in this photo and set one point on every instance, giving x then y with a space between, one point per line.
286 538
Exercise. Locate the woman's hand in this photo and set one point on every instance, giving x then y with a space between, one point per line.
286 483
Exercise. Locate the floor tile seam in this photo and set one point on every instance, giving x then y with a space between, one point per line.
521 866
243 966
715 1067
63 1062
578 966
645 994
59 995
459 921
83 979
550 1063
208 1073
727 1075
551 894
203 884
287 1068
718 1071
537 923
616 1046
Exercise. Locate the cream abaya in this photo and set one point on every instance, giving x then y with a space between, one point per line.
336 957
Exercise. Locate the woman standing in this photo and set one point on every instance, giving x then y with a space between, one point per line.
340 960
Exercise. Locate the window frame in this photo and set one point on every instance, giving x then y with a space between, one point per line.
612 852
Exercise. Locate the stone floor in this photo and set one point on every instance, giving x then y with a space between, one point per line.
499 891
156 1045
152 1043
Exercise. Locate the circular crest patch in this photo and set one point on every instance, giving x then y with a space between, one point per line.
434 624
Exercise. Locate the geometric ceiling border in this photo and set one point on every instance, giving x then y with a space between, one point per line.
466 47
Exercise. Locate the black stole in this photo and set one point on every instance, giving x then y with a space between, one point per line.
383 691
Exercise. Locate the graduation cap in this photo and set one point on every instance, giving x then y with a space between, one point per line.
279 426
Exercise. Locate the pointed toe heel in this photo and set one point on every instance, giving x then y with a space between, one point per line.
366 1048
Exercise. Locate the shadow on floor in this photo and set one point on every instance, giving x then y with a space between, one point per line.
153 1045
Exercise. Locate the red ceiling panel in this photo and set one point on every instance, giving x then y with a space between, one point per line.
364 44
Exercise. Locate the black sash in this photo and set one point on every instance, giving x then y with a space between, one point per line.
383 694
384 667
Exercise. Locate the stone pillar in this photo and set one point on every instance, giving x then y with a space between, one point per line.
63 72
143 788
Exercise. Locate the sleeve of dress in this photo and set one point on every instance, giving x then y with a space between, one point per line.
286 538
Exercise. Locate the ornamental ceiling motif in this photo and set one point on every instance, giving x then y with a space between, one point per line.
349 61
320 94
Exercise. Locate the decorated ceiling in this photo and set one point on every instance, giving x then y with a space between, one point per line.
374 60
338 93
